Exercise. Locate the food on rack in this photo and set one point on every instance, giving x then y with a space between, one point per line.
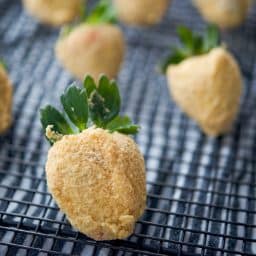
5 99
55 12
224 13
95 171
204 80
141 12
93 47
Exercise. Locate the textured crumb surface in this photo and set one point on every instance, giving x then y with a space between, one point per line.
98 180
225 13
208 88
54 12
5 100
142 12
93 50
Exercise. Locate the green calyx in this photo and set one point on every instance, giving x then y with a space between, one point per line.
193 44
102 13
93 105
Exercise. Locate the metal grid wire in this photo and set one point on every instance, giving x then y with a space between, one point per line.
201 191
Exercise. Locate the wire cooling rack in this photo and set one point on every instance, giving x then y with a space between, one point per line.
201 191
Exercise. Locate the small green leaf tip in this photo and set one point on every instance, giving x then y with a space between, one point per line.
66 30
123 125
94 105
3 64
103 12
192 44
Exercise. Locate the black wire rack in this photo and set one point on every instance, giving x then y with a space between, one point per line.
201 190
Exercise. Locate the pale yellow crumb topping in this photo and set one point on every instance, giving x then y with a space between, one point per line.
92 50
98 180
208 88
5 101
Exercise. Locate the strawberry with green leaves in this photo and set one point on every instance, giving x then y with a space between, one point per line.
141 12
224 13
93 47
55 12
5 98
204 80
94 170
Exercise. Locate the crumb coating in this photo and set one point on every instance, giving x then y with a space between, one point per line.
92 50
141 12
208 88
225 13
54 12
5 101
98 181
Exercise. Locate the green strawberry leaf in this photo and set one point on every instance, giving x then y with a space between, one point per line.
97 109
74 101
104 100
89 85
97 105
66 30
50 116
122 125
102 13
211 38
3 64
192 44
186 36
175 57
112 101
